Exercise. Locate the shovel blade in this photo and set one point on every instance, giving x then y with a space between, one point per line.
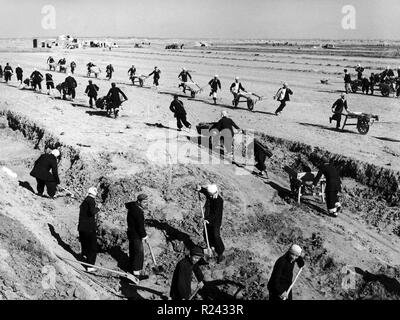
133 278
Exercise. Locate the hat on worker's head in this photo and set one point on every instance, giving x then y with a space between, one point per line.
236 78
224 113
212 189
388 67
34 69
113 84
295 249
142 197
216 76
55 153
92 191
183 68
342 94
68 74
285 84
196 251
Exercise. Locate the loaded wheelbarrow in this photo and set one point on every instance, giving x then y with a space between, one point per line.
364 120
250 98
140 78
301 184
192 87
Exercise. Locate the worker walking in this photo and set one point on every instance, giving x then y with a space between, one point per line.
214 207
19 72
365 85
236 88
184 76
91 91
282 274
359 71
226 132
347 81
337 108
87 228
156 76
41 171
132 73
372 82
8 72
72 66
36 78
136 234
182 277
71 84
109 71
49 82
282 95
215 84
114 95
179 111
333 185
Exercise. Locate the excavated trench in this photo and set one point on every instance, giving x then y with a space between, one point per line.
174 223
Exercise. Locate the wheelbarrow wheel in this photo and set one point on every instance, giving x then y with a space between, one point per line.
141 82
354 87
250 104
363 126
192 94
385 90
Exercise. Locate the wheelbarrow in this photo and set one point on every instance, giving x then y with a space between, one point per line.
193 87
364 121
140 78
250 98
301 184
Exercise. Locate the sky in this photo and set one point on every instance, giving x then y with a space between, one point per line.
230 19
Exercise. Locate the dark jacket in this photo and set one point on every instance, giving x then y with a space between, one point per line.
70 82
135 219
156 74
87 212
36 76
8 69
184 75
91 90
19 71
49 78
213 209
132 71
109 68
177 108
114 93
286 97
215 84
333 182
182 278
339 105
225 123
347 78
41 169
240 86
282 274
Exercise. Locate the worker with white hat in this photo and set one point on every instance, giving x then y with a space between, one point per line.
183 77
282 95
213 218
215 84
87 228
282 274
41 171
236 88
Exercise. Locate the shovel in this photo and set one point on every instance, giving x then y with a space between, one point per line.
209 252
156 268
123 274
194 293
294 281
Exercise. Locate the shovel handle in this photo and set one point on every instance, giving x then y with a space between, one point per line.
205 226
151 252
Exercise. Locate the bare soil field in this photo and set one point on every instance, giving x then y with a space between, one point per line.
135 153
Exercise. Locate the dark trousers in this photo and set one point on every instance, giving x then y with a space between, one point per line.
371 88
49 85
19 77
365 88
331 198
91 100
281 106
70 91
136 254
7 76
37 84
155 81
51 187
72 70
273 296
338 118
214 237
181 118
89 246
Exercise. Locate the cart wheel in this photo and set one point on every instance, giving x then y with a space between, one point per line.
354 87
363 126
141 82
250 104
192 94
385 90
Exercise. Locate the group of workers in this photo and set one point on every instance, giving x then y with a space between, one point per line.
368 83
